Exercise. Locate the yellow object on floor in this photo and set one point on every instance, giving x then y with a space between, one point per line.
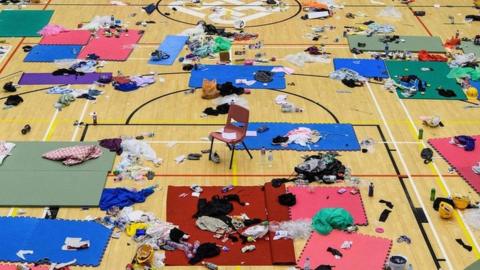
131 229
461 202
472 93
445 210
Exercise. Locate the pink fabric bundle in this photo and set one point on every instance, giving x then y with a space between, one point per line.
51 29
74 155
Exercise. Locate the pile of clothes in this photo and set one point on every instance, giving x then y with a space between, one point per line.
464 141
226 93
301 136
69 95
215 216
319 168
411 84
348 77
131 83
133 153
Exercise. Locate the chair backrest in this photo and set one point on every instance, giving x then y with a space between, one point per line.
238 114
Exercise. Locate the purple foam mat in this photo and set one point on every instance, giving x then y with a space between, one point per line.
49 79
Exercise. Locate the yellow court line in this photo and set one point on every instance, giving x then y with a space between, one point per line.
444 191
51 130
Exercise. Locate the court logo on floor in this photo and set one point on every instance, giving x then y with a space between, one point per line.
226 12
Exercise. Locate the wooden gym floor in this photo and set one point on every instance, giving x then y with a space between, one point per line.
395 166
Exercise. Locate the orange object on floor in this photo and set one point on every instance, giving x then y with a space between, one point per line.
314 4
452 43
426 56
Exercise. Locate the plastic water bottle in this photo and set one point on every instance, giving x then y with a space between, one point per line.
306 264
370 190
432 194
270 158
94 118
263 154
210 265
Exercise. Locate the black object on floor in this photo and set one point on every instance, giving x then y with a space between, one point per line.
387 203
384 215
465 246
335 252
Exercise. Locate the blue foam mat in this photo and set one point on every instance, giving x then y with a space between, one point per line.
171 45
369 68
335 137
229 73
46 238
50 53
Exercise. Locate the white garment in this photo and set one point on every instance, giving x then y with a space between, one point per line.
140 149
5 150
301 136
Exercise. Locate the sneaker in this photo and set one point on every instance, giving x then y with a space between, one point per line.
215 158
194 156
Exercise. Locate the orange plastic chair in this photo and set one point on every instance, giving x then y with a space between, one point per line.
237 122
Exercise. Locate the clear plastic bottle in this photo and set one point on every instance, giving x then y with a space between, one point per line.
263 156
306 264
270 158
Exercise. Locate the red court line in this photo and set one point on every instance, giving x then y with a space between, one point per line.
420 21
288 175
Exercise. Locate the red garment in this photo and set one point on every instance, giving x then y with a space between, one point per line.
425 56
74 155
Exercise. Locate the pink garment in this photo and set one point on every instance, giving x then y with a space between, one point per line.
75 154
51 29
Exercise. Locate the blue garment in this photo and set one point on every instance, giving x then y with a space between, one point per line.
467 142
123 197
126 87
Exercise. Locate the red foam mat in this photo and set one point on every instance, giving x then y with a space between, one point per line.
69 37
112 48
461 160
14 267
366 253
283 251
180 211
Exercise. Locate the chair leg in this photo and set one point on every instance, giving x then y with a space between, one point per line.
231 158
248 151
211 149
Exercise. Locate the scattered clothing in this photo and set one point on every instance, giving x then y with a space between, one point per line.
114 145
463 141
5 150
122 197
301 136
387 203
465 246
212 224
287 199
74 155
13 100
316 167
205 251
383 217
328 219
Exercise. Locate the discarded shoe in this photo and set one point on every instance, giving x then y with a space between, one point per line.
215 158
194 156
279 140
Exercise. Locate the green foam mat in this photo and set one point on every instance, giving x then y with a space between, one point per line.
407 43
27 179
469 47
474 266
23 23
436 77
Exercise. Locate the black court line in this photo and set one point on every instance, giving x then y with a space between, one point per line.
409 199
299 9
132 114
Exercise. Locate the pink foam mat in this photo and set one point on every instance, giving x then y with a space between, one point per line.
460 159
111 48
311 199
366 252
69 37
